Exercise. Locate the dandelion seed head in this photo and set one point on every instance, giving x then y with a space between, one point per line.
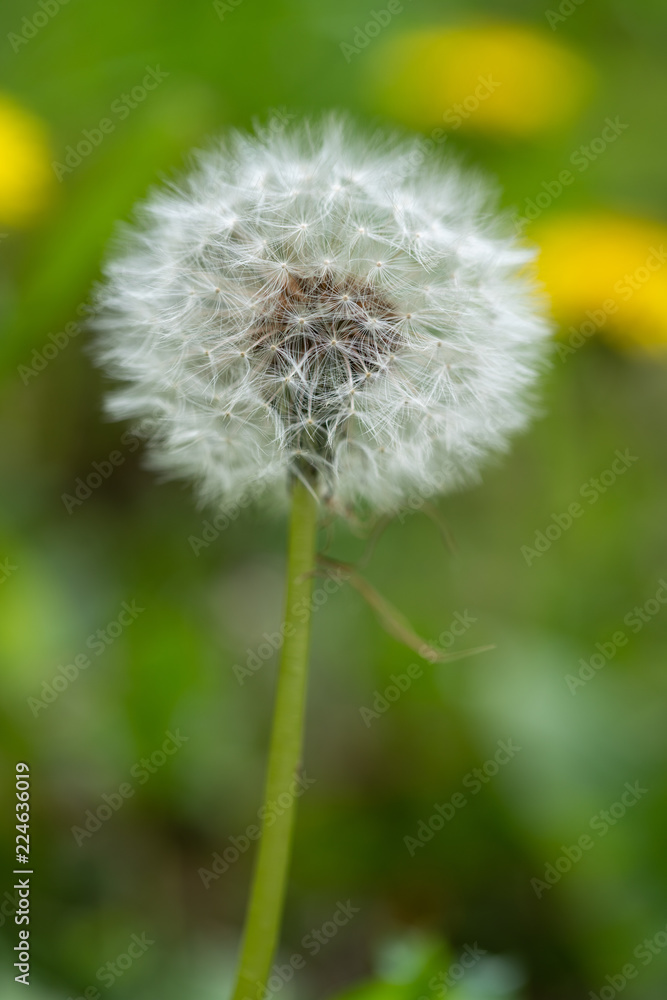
373 329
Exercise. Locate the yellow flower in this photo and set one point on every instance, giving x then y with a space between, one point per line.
26 178
507 79
609 273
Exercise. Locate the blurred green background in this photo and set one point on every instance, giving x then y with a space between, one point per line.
146 866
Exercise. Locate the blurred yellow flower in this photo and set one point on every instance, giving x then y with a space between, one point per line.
609 273
507 79
26 178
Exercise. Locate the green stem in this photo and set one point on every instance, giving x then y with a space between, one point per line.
263 919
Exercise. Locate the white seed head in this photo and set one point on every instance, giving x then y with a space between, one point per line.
313 303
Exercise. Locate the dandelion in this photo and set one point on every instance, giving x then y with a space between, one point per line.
26 178
311 305
608 271
332 317
501 79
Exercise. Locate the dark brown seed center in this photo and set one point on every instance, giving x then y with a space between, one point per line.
319 342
